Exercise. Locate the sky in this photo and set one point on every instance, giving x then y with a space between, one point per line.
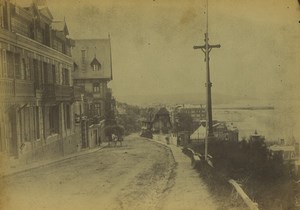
152 45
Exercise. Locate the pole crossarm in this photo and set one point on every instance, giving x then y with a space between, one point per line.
209 46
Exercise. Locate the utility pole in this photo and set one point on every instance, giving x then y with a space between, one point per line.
206 48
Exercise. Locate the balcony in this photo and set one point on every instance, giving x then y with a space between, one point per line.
24 88
7 89
53 92
17 90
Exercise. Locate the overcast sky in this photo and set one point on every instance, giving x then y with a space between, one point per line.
152 44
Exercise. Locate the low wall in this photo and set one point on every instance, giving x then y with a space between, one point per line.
40 151
53 147
72 143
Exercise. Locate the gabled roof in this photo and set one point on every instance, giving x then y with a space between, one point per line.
60 26
200 133
95 62
44 10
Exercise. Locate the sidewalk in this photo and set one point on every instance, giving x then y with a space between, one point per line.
189 190
11 170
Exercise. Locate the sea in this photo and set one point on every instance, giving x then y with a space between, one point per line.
274 121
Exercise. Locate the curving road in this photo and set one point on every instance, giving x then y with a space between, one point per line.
139 175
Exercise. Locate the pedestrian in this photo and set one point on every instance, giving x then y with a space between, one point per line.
178 140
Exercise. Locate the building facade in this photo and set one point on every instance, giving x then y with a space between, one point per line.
198 113
92 72
36 91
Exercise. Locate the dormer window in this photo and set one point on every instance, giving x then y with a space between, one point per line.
95 64
95 67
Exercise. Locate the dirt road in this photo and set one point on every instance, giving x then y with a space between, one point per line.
139 175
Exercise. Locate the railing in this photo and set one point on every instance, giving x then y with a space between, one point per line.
58 92
24 88
17 88
252 205
49 91
63 91
6 88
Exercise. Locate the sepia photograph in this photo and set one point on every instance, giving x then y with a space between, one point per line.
149 105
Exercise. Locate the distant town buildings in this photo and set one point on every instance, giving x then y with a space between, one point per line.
38 99
222 130
196 112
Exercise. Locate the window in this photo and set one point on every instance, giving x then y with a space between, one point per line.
1 15
98 109
95 64
36 73
23 69
46 73
18 71
10 64
4 64
29 67
53 119
37 121
26 124
4 15
67 116
65 77
96 87
53 74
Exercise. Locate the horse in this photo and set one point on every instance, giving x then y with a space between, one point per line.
117 139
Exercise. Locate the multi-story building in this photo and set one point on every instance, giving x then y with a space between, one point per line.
92 72
36 93
198 113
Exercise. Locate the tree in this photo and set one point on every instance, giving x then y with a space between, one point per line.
129 119
184 122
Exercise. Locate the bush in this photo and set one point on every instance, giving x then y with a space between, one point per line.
262 175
